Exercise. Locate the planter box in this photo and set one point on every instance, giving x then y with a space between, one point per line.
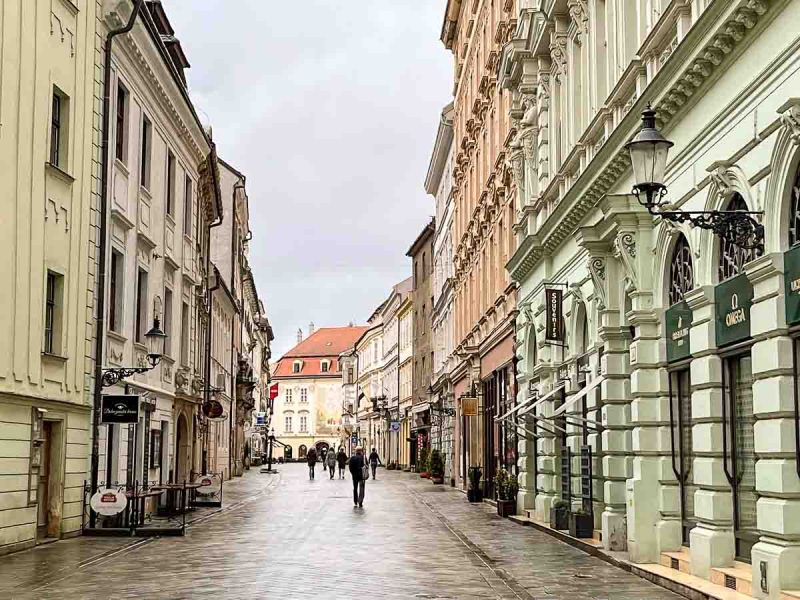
581 526
506 508
475 495
559 519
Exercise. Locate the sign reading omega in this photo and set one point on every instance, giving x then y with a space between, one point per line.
733 298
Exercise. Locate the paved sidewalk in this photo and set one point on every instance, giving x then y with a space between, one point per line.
283 536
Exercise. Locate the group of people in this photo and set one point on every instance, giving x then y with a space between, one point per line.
360 468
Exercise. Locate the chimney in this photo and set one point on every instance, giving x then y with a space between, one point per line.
299 335
311 328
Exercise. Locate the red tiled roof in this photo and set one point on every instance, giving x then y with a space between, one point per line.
327 342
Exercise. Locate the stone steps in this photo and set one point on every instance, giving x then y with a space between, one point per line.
680 561
738 577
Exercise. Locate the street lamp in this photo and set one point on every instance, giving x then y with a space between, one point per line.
648 153
155 340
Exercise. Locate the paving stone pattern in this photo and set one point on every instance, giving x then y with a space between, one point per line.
283 536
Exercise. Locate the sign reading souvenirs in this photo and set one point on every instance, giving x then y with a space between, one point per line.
108 502
791 274
119 409
469 406
678 322
733 299
554 315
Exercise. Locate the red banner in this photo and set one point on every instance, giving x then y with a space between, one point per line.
273 391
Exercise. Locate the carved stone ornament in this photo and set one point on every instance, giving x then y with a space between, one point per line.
558 53
625 250
597 270
579 14
791 121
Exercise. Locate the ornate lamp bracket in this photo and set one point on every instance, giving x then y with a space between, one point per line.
114 376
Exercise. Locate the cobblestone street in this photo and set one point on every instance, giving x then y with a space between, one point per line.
283 536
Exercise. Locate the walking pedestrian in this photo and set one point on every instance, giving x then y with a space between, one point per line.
358 471
324 453
341 458
374 461
311 458
330 460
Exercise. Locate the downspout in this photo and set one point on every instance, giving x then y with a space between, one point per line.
100 317
210 304
234 400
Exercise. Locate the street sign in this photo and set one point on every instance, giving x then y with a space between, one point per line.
395 426
261 418
108 502
469 406
273 391
119 409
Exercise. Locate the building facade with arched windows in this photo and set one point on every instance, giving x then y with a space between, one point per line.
656 362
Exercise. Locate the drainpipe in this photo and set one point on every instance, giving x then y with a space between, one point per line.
100 317
210 304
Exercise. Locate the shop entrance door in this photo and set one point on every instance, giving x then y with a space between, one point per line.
740 458
682 448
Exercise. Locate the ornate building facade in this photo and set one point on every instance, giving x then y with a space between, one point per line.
484 298
673 376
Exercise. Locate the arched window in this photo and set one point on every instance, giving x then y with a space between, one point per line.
732 257
794 214
302 451
681 271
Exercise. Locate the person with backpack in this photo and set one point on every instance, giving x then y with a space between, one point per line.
341 458
359 472
311 459
330 462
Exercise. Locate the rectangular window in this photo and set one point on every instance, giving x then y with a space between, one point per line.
287 424
350 375
155 448
167 325
122 123
185 334
187 206
53 310
58 129
170 184
288 396
116 292
303 424
303 395
146 148
141 306
324 365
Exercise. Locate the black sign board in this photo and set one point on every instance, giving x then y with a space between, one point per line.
733 299
678 322
120 409
791 265
554 315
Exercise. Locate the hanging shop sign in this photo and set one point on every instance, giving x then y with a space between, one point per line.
791 265
119 409
733 299
214 410
469 406
395 426
554 315
209 483
108 502
261 418
678 323
273 391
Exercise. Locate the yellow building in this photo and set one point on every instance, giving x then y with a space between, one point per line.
48 158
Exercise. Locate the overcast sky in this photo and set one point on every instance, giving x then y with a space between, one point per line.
330 108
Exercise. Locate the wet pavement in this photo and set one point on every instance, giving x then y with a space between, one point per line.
283 536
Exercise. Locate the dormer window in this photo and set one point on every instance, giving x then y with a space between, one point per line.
297 366
325 366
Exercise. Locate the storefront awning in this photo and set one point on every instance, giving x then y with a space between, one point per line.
421 407
579 396
533 402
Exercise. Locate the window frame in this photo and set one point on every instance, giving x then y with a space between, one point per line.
188 209
185 326
140 317
121 123
56 116
167 325
116 314
169 196
145 152
53 312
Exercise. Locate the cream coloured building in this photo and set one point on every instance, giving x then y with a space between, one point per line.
48 157
676 367
405 315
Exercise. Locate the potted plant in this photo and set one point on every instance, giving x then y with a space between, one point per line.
581 524
423 463
474 492
559 515
507 488
437 467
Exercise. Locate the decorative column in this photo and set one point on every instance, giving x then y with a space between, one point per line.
776 556
711 542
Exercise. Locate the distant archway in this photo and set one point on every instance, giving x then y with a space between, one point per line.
302 451
182 444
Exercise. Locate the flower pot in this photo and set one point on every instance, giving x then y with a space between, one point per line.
437 479
425 475
506 508
581 525
559 519
475 495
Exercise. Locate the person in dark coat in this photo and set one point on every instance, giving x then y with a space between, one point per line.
311 459
374 461
341 458
356 464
